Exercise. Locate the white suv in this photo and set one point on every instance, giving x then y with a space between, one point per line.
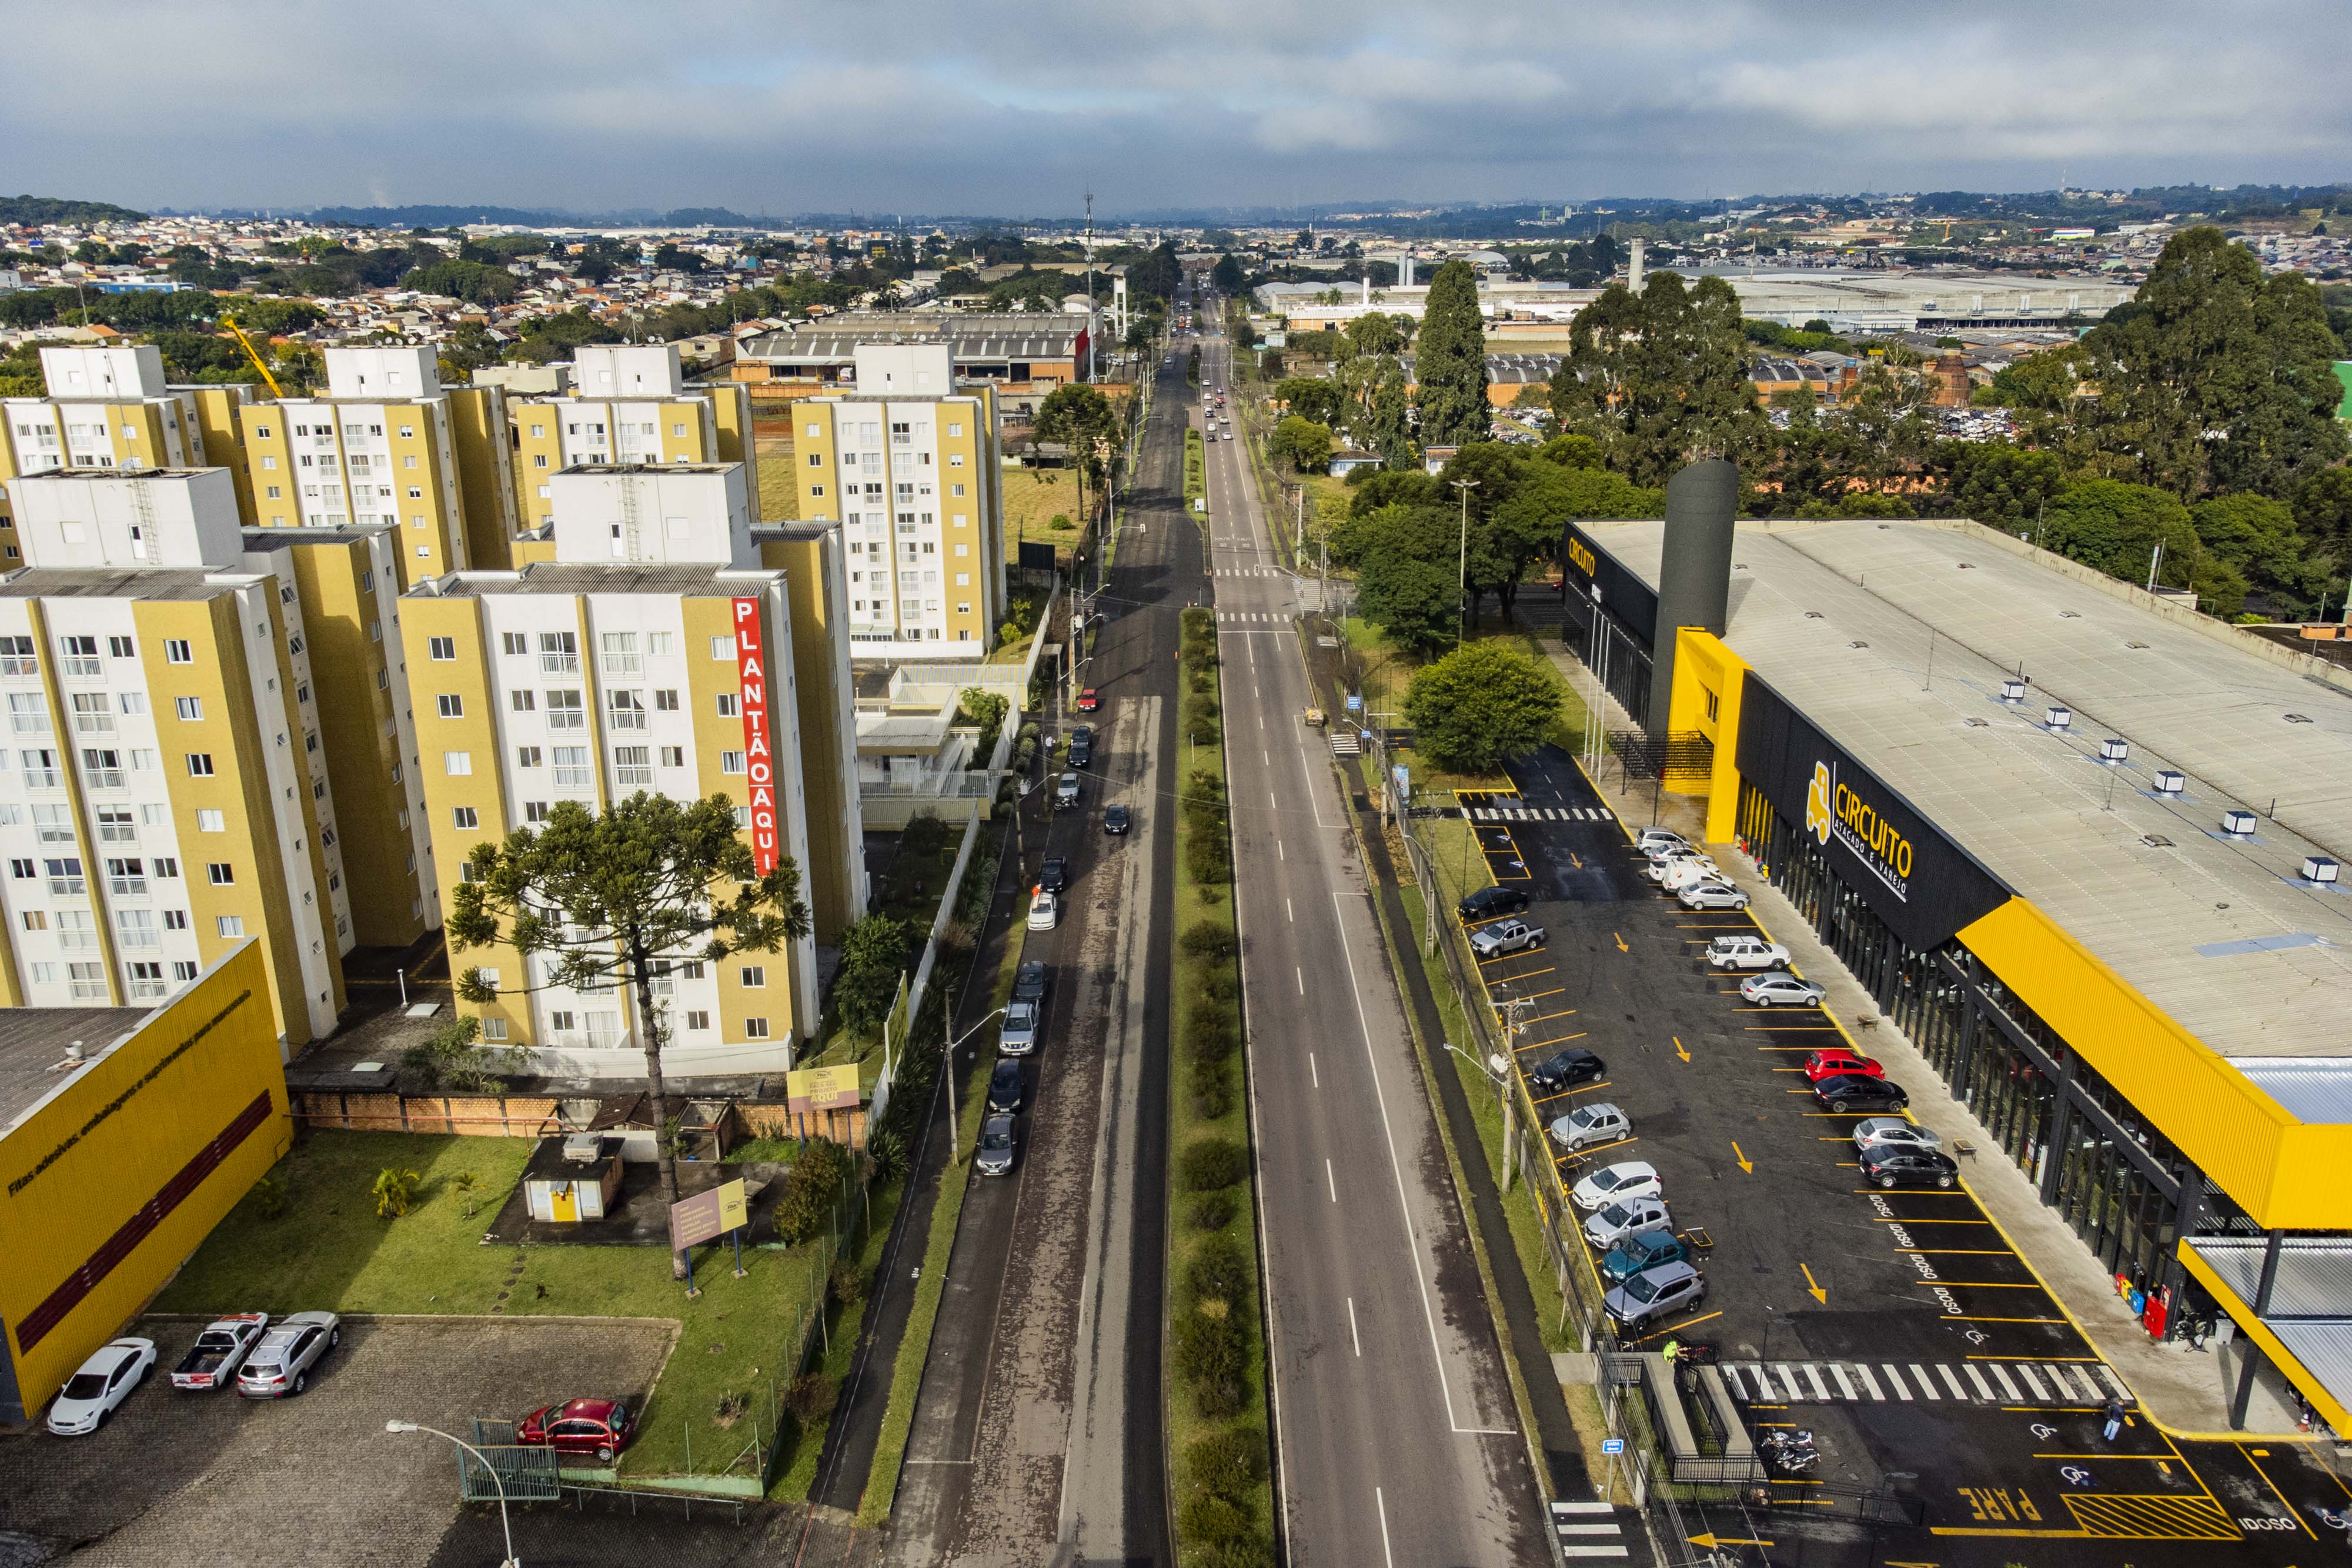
1746 951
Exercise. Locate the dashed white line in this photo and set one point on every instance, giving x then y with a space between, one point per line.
1311 1072
1301 973
1358 1338
1289 912
1332 1177
1381 1503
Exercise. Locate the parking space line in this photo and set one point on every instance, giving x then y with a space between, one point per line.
1677 1328
1971 1318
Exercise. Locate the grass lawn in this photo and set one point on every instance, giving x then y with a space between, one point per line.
328 1249
779 498
1032 497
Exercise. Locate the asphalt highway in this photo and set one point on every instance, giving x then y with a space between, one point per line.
1397 1440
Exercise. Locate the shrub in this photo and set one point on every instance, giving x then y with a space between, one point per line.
809 1397
811 1187
1209 859
1224 1464
925 835
1210 1347
886 1147
1213 1031
733 1405
1213 1210
1211 1163
1212 1091
1221 983
847 1281
1210 1521
1243 1552
1208 939
1218 1270
394 1191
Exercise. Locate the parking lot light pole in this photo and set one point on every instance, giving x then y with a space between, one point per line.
1510 1107
948 1065
511 1561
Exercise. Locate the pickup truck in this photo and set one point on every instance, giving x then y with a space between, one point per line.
1504 937
220 1350
1744 951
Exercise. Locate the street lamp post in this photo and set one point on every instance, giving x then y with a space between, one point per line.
1461 573
511 1561
948 1066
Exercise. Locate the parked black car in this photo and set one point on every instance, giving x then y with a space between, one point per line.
1029 982
1054 875
1565 1070
1082 747
1853 1091
1004 1087
1889 1165
1117 820
1489 902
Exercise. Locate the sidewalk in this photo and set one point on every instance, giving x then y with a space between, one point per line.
2184 1390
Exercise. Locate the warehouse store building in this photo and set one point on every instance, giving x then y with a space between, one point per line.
125 1134
2083 846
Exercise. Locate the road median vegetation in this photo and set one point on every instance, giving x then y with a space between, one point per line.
1218 1443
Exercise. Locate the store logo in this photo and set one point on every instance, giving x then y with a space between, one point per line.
1581 558
1831 808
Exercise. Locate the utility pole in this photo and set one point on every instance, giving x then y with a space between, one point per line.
1462 575
1094 331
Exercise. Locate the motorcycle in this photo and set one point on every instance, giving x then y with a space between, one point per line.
1791 1453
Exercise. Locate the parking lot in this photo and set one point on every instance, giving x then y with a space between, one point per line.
213 1477
1901 1326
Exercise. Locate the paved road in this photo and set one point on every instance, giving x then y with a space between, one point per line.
1037 1433
1398 1440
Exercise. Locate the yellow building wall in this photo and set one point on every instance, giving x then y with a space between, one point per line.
538 456
1709 679
269 464
354 707
236 737
835 878
441 538
183 1117
216 433
815 458
730 417
483 443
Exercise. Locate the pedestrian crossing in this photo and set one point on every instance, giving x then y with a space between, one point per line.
1248 571
1345 743
1250 618
1967 1383
1541 814
1588 1530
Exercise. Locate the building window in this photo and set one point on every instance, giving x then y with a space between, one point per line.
443 650
221 873
450 704
754 975
726 705
564 710
167 867
723 649
200 764
673 756
534 810
755 1028
522 700
209 821
514 643
463 817
572 770
457 764
730 762
527 756
229 924
190 709
494 1028
632 767
697 1020
175 920
559 654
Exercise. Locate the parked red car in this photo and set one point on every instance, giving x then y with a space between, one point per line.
1838 1062
1088 701
599 1427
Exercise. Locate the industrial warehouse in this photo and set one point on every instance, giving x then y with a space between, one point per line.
2080 843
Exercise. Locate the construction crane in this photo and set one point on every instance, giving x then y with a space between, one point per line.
253 354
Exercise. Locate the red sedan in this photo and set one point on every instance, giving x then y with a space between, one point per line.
1088 700
1839 1062
598 1426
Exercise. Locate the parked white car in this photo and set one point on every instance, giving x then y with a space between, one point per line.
1044 911
1678 875
1614 1184
1589 1125
1690 860
1745 950
92 1395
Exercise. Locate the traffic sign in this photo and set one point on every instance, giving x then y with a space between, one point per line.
1355 703
1612 1444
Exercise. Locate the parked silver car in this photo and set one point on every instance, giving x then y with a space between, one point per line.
282 1364
1589 1125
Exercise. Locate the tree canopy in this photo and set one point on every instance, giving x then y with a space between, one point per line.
1481 705
1660 377
1450 360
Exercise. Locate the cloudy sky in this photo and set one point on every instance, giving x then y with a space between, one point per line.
976 105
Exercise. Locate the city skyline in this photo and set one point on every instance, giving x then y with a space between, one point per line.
779 110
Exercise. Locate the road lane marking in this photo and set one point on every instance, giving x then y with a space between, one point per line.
1289 912
1331 1177
1301 972
1381 1503
1352 1334
1928 1384
1311 1072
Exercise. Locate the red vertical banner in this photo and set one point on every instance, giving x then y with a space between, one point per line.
759 751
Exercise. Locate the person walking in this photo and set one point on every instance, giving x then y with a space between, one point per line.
2112 1418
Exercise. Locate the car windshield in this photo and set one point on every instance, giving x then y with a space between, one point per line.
85 1385
1641 1287
996 1138
1617 1213
212 1339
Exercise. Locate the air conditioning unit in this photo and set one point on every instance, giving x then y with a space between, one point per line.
2013 691
2320 868
2238 824
2058 717
2169 781
2113 750
582 1148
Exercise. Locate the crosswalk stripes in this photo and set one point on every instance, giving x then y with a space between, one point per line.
1345 743
1589 1530
1971 1383
1540 814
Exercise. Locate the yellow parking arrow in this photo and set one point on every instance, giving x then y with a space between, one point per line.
1710 1541
1819 1294
1747 1164
1679 1048
1620 943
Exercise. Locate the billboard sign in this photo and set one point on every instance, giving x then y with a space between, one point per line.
758 749
697 1219
822 1088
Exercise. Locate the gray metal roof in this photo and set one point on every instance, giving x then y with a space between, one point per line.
33 1043
2311 1298
126 583
2223 935
1021 335
687 578
2313 1090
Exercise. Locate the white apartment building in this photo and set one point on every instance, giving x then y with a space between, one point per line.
909 463
628 403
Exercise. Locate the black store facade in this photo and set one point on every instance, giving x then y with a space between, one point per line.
1889 892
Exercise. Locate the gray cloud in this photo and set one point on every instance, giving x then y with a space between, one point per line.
976 105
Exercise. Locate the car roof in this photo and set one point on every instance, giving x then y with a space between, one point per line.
1629 1170
1668 1272
588 1409
1862 1080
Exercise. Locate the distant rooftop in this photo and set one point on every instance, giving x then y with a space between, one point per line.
161 582
2223 934
692 578
33 1042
